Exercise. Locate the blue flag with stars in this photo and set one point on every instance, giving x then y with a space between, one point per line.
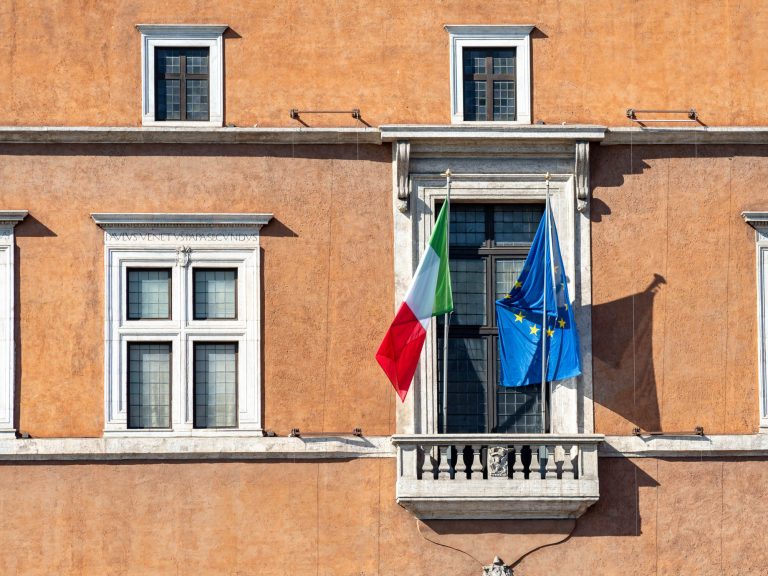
519 317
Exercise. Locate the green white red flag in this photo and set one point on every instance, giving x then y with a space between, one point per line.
429 295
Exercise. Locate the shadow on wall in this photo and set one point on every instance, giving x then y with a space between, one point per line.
622 350
617 513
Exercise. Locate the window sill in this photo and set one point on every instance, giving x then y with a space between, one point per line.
215 123
564 487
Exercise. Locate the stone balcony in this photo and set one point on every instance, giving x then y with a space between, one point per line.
497 476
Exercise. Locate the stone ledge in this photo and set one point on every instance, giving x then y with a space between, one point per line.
194 448
755 445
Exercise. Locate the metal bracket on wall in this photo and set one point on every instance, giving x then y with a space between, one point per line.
698 431
296 113
296 433
691 116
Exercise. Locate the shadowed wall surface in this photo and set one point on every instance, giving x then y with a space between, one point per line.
674 288
326 262
340 518
77 62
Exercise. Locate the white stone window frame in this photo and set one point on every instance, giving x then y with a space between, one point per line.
8 221
209 36
759 221
182 242
491 36
571 406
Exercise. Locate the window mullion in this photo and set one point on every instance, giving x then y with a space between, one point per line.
183 86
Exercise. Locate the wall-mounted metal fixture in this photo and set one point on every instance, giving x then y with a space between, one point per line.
269 433
698 431
296 113
296 433
691 115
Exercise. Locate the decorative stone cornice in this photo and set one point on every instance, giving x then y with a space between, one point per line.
756 219
12 217
113 220
688 136
726 445
491 131
183 30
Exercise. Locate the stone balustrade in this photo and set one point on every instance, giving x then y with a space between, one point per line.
475 476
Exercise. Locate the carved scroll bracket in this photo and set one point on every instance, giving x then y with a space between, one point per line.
402 154
581 172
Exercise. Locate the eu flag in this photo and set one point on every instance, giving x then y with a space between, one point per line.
520 314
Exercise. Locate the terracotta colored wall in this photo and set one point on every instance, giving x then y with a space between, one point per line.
339 519
76 62
326 260
674 289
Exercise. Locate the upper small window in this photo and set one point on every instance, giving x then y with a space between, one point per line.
490 74
182 75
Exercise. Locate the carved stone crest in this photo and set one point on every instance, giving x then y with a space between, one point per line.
498 461
498 568
182 255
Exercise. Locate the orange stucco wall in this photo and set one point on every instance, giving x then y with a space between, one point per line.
77 62
674 289
327 301
340 519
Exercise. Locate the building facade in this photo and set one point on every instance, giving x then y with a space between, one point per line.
209 212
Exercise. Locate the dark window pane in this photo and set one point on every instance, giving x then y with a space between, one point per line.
468 284
149 294
197 60
168 100
467 384
215 385
518 410
503 61
516 225
503 100
467 225
507 272
167 60
474 61
197 99
149 385
215 294
475 100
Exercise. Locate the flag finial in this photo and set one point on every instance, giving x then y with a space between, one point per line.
447 173
547 176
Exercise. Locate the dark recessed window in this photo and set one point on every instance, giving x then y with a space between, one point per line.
490 77
489 244
215 384
149 385
182 84
149 293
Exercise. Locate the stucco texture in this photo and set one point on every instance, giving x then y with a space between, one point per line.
674 287
326 271
77 62
340 519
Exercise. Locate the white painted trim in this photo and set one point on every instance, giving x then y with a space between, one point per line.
732 445
479 131
181 242
8 220
195 447
182 35
496 36
165 134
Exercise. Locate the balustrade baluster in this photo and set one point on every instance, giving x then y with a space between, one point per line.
571 454
477 463
462 461
550 473
444 467
515 462
428 464
535 466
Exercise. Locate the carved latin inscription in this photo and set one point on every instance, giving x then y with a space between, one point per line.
180 237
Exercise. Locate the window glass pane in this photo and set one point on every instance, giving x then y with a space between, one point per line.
515 225
468 284
197 99
167 100
503 100
467 225
504 61
215 294
507 272
167 61
215 385
475 100
149 385
517 409
467 384
197 60
149 294
474 61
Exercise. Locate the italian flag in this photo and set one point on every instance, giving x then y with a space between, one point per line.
429 295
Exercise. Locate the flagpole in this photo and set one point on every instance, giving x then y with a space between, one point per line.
447 175
544 318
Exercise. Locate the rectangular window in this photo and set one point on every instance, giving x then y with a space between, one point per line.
149 385
489 244
149 293
215 293
215 382
182 84
489 77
